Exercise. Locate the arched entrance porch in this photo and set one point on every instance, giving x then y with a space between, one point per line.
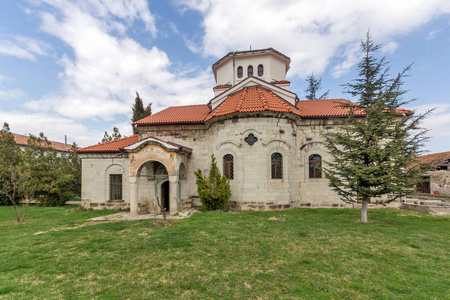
150 156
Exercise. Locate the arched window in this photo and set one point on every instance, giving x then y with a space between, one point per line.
115 187
228 166
260 70
240 72
315 165
250 71
277 166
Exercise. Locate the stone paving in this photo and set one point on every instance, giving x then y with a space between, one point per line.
125 216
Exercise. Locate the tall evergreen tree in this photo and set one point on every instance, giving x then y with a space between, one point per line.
378 140
139 112
314 85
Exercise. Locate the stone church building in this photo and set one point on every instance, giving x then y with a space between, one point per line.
266 141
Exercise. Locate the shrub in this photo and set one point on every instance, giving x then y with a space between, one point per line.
214 189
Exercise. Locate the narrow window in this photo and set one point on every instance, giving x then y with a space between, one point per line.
260 70
240 72
315 164
277 166
228 166
250 71
115 187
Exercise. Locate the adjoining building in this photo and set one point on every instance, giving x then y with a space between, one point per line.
267 142
437 179
22 141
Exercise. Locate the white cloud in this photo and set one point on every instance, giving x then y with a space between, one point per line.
311 32
432 34
101 79
9 94
55 127
438 124
22 47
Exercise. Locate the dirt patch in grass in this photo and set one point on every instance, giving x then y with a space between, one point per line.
75 227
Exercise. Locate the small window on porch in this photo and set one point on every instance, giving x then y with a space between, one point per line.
115 187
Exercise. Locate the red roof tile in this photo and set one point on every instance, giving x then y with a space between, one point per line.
323 108
251 99
222 86
428 159
116 146
432 158
23 140
177 115
112 146
280 82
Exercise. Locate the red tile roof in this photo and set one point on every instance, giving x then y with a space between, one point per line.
280 82
177 115
323 108
23 140
222 86
112 146
251 99
116 146
428 159
433 158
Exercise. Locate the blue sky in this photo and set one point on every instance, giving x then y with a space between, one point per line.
72 67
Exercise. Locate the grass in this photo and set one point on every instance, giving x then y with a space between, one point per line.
295 254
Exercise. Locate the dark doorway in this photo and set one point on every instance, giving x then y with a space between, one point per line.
165 195
424 187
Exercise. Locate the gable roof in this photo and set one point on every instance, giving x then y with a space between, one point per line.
251 99
252 81
128 143
23 141
112 146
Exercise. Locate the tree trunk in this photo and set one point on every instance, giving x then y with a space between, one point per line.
365 202
17 213
25 210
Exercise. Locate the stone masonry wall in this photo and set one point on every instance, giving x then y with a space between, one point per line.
440 182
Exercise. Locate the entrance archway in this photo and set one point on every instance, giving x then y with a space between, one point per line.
151 152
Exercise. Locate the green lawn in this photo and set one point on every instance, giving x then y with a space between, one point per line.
295 254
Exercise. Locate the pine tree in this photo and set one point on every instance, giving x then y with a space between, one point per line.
378 140
114 136
213 190
314 85
106 138
139 112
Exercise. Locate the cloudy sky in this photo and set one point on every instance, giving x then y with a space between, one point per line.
73 67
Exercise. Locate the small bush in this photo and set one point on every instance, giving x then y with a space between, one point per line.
213 190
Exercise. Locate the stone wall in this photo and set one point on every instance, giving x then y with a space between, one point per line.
96 169
440 182
252 186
